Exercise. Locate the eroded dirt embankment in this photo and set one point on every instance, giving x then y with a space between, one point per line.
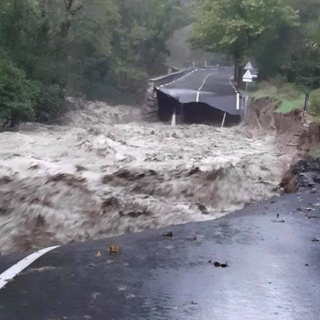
261 114
295 131
109 172
310 138
291 129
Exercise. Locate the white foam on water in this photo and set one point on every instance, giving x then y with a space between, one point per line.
108 172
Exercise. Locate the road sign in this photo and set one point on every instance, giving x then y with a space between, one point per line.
247 77
248 66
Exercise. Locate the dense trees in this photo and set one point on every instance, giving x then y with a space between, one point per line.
282 36
303 62
105 49
17 94
237 27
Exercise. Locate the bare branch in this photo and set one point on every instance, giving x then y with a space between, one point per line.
75 11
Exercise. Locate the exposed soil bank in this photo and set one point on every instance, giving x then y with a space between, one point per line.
310 138
261 114
295 131
109 172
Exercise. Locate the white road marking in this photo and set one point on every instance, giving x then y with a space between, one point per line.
238 101
198 94
186 75
236 91
12 272
203 83
205 79
230 81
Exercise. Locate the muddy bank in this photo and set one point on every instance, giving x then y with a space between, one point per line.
262 114
291 129
109 172
310 138
295 133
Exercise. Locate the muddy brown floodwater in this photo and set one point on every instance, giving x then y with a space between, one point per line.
108 172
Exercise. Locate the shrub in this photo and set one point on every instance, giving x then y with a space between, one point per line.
278 81
315 102
116 81
289 91
51 103
18 95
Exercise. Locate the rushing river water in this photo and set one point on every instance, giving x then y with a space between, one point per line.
108 172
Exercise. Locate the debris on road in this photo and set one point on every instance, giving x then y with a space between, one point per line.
278 221
169 234
114 249
219 264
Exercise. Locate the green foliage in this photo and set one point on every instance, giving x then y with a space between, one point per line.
314 153
51 103
281 36
287 106
315 102
131 80
17 94
105 49
237 27
137 33
143 29
286 96
304 60
107 79
295 54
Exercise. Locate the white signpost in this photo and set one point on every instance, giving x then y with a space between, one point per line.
248 66
248 77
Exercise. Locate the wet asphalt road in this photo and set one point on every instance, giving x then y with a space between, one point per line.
210 85
271 249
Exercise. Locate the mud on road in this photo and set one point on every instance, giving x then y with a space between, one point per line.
108 172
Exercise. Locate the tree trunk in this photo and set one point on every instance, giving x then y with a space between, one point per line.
240 77
64 29
70 12
237 71
15 120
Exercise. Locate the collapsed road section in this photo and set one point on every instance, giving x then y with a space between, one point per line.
205 94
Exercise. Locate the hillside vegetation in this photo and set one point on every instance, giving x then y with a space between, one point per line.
103 49
282 37
107 49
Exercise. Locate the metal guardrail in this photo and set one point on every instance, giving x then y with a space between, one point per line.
155 82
